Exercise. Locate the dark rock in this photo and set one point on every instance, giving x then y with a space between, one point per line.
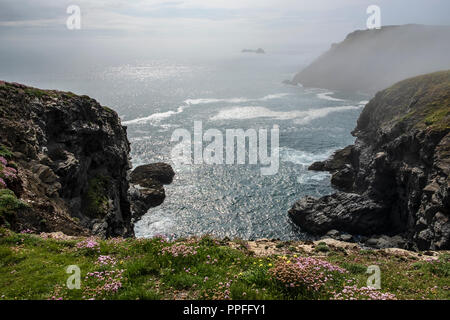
346 237
72 156
317 166
343 158
146 189
396 173
333 233
160 172
73 160
343 179
347 212
338 235
383 242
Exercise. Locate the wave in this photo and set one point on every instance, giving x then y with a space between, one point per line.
302 117
326 96
313 177
303 157
314 114
233 100
156 224
156 117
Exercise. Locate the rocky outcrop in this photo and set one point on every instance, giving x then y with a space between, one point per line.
371 60
149 173
394 179
72 158
146 187
348 212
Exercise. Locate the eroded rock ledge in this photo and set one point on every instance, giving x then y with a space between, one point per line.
393 182
146 187
72 159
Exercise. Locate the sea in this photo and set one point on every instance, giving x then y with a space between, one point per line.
154 97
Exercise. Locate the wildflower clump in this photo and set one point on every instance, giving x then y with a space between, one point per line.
363 293
89 244
9 204
106 261
306 276
179 249
7 172
103 283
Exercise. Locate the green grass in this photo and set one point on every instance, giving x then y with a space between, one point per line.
438 117
421 102
5 152
108 109
95 199
32 267
39 93
322 247
9 205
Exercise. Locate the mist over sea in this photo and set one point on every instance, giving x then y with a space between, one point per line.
157 96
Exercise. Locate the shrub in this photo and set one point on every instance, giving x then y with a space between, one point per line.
8 171
9 205
322 247
355 268
89 246
179 249
305 276
363 293
5 152
256 276
99 284
439 267
95 199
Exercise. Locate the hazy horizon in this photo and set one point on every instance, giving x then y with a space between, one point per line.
34 33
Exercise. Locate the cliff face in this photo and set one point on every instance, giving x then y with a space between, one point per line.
72 159
371 60
394 179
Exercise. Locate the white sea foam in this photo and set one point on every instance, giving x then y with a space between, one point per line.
141 138
156 117
234 100
302 117
312 177
364 102
157 223
326 96
313 114
302 157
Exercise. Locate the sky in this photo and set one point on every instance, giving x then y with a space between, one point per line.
30 29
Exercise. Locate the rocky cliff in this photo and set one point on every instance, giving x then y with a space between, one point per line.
371 60
66 160
394 180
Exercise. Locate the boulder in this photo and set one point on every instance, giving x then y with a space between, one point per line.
346 212
146 187
161 172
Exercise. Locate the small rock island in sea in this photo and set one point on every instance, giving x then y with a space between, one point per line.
259 50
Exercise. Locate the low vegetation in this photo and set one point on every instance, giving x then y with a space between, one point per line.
96 199
34 267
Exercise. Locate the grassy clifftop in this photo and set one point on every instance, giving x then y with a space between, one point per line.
421 102
34 267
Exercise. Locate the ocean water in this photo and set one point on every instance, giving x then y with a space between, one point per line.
155 97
